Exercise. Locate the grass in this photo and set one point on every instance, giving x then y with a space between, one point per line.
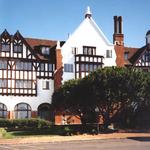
26 133
29 133
21 134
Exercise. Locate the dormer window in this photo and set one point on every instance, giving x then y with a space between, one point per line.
17 43
5 42
18 46
45 50
5 45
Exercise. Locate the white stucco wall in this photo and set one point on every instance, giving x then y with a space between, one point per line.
43 96
87 34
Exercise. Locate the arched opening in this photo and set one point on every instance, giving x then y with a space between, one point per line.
3 111
45 111
22 110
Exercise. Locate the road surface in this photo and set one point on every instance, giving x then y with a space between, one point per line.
109 144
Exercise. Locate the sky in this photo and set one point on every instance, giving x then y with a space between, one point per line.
55 19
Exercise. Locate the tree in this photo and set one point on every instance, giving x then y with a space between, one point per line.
116 89
109 90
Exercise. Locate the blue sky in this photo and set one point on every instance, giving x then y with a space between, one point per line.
54 19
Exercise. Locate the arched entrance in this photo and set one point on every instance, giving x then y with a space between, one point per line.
3 111
22 110
45 111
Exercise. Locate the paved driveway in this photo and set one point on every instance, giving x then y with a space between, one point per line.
109 144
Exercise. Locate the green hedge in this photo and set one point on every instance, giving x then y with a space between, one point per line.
23 124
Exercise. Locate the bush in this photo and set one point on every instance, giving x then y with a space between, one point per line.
24 124
2 132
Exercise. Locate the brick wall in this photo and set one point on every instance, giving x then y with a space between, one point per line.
59 70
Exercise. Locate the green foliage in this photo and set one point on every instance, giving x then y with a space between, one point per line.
110 90
2 132
24 124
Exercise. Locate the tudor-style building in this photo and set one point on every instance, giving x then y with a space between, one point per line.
86 50
130 56
31 69
26 76
139 57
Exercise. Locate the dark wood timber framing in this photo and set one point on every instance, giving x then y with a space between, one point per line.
85 64
21 66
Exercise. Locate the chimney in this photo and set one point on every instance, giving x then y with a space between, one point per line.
58 68
118 40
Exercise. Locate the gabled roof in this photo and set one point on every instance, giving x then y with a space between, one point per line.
137 54
37 42
34 44
90 21
131 51
134 54
100 32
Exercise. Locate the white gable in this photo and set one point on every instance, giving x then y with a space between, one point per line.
87 34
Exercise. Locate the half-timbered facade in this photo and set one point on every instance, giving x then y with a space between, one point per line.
141 56
26 76
31 69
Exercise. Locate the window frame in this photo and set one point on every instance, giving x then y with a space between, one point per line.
45 50
3 111
68 68
89 50
108 53
17 45
45 85
126 55
27 110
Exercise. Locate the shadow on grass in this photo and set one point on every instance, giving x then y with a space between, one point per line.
141 139
30 133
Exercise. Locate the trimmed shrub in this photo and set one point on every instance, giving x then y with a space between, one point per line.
24 124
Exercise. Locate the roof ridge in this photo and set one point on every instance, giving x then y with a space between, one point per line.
43 39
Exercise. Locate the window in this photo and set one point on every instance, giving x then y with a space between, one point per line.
108 53
17 46
86 67
82 67
87 50
45 50
147 56
95 67
68 67
3 64
3 111
50 67
5 43
46 111
42 67
23 65
126 55
3 83
20 84
74 50
22 111
5 47
45 85
89 67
